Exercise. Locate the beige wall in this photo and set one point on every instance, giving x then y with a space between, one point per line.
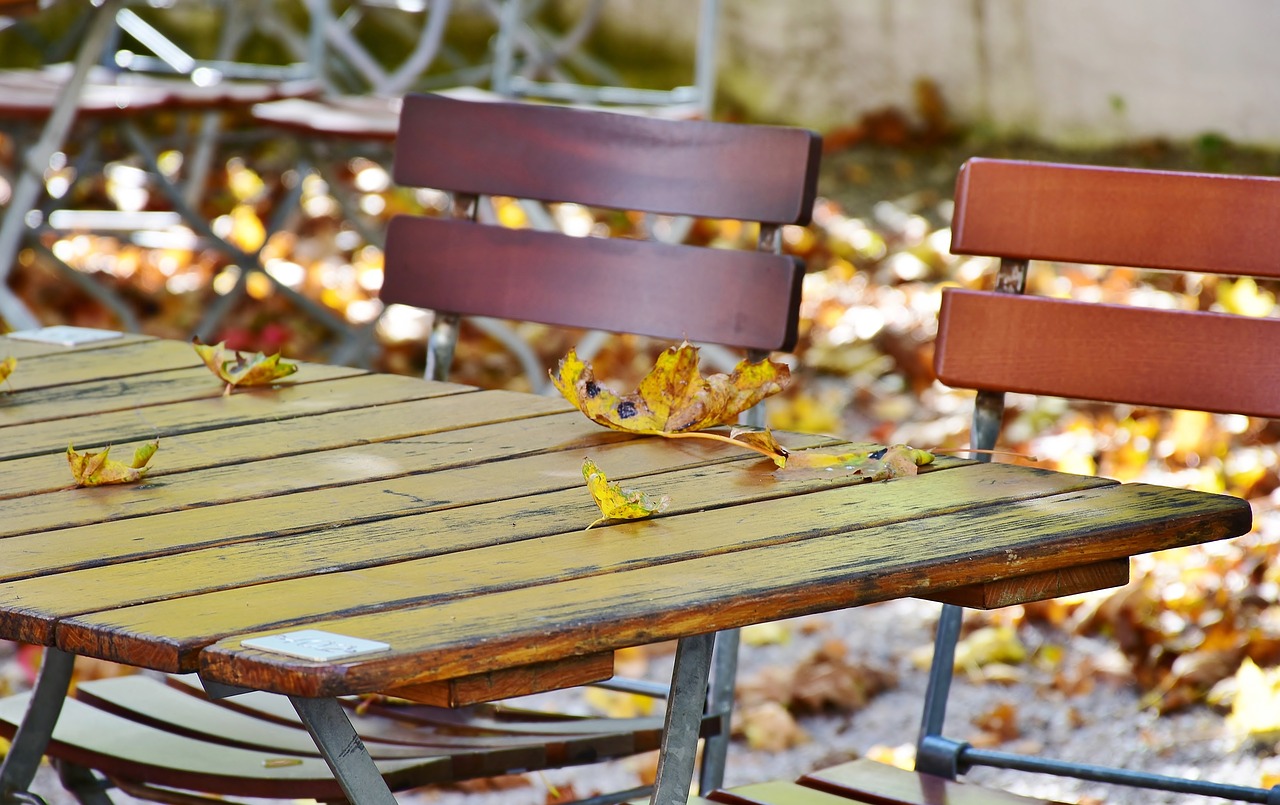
1070 71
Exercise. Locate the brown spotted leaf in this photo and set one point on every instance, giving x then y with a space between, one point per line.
674 397
675 400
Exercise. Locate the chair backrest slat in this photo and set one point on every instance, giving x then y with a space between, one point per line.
1115 216
745 298
1111 353
620 161
1208 223
739 298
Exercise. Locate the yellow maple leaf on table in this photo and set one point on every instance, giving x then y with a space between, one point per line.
616 503
96 469
235 369
6 367
674 397
675 400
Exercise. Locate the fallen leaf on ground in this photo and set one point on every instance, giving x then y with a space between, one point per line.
771 633
617 703
828 681
769 727
96 469
1255 709
998 725
824 681
254 370
615 502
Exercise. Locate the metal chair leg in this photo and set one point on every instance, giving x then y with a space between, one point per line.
23 758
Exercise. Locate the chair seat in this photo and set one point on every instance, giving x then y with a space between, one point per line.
862 781
143 731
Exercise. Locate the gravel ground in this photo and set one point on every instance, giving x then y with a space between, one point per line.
1100 719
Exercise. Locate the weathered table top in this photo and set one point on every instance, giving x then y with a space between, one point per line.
449 523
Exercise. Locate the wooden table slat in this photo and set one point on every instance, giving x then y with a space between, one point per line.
71 367
133 393
24 555
648 604
295 436
340 469
24 350
833 520
549 544
214 412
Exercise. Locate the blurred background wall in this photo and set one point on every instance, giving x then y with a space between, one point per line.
1069 72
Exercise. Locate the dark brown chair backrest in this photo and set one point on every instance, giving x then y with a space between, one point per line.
1019 211
738 298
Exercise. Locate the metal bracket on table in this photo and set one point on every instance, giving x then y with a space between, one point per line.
221 690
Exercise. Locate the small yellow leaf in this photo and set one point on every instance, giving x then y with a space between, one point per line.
615 502
6 367
96 469
255 370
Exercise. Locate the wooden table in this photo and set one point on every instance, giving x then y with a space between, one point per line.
448 522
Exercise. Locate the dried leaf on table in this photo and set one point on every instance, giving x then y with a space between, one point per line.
6 368
872 460
616 503
674 399
96 469
254 370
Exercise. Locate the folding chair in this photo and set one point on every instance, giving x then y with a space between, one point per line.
358 116
1003 340
167 740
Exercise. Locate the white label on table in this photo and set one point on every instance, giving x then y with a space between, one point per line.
315 644
65 335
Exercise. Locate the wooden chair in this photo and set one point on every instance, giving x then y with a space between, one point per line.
1003 340
151 737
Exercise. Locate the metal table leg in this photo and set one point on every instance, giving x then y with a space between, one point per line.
684 716
343 751
33 734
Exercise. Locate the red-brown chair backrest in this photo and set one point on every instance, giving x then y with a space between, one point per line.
739 298
1207 223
